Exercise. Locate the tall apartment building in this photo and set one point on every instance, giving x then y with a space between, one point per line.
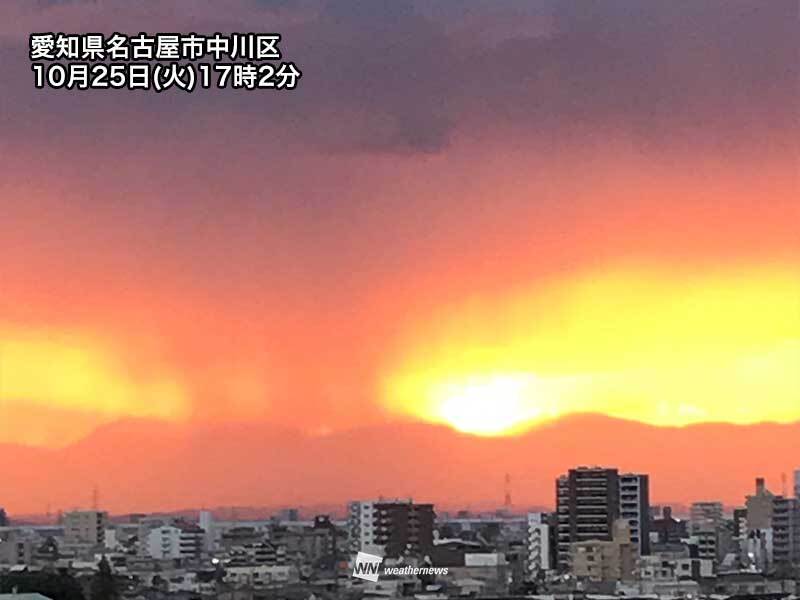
539 548
391 527
785 533
85 527
590 500
587 505
634 507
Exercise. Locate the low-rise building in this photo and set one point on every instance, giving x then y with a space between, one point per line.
605 561
180 540
704 514
85 527
16 546
666 529
256 576
674 566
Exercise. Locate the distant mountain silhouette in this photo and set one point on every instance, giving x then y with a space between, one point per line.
148 465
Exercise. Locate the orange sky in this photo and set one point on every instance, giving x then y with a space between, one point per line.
669 312
392 244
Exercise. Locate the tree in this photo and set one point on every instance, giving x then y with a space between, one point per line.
57 586
103 585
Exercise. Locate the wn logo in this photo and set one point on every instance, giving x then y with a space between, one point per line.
367 566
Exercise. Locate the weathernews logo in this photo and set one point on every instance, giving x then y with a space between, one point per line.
367 566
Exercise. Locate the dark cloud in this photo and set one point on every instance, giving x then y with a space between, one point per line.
405 77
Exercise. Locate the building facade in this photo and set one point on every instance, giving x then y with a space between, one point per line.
539 550
634 507
668 529
706 514
606 561
587 505
16 546
797 484
760 506
181 540
391 528
786 533
85 527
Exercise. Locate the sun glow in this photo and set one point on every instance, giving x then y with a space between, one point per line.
637 345
487 405
82 381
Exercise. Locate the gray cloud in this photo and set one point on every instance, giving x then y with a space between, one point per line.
404 77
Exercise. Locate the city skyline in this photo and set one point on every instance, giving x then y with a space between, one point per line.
602 536
623 495
248 468
603 530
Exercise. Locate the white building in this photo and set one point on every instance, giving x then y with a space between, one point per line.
206 523
390 527
110 540
175 541
538 544
634 507
361 517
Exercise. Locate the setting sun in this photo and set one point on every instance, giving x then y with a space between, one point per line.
659 350
487 405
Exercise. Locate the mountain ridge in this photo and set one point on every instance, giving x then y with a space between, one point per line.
141 465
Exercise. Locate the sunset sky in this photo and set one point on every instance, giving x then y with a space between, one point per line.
480 214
